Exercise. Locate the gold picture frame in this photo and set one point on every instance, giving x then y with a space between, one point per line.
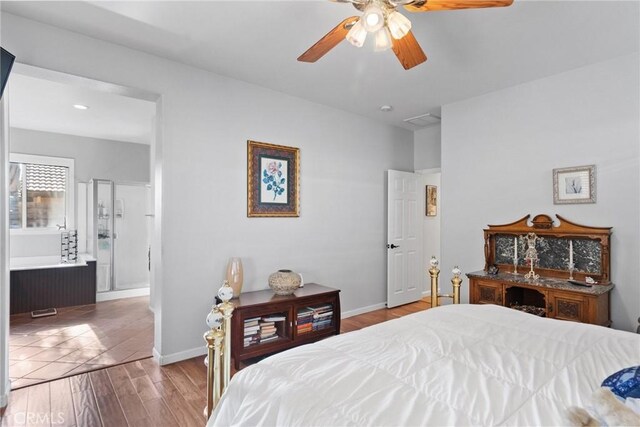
273 180
431 195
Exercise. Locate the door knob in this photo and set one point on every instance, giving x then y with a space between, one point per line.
392 246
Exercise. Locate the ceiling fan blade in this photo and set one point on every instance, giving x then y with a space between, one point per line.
329 41
408 51
432 5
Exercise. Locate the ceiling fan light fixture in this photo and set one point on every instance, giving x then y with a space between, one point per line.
373 18
357 34
399 25
383 40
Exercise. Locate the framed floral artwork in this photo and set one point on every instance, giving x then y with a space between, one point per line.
273 180
574 185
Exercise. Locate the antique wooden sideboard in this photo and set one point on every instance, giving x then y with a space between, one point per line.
550 295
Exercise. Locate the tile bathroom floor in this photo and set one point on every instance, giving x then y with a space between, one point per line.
79 339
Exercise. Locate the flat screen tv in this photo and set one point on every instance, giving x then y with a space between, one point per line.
6 62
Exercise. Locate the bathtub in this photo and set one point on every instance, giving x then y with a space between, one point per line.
44 282
40 262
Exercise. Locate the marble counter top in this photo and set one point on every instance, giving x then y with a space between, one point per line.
543 282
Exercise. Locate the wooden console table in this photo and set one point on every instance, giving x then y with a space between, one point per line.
560 243
310 314
558 298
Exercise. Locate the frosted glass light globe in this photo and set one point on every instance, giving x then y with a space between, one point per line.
357 34
398 25
383 40
373 18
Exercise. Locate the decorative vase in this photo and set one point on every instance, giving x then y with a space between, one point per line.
284 282
234 275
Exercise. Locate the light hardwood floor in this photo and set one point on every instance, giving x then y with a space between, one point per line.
79 339
139 393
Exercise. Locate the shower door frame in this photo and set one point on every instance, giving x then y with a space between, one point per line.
94 225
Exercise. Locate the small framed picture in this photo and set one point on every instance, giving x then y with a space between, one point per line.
432 200
574 185
273 180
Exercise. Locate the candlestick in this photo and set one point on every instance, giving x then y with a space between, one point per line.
515 255
571 252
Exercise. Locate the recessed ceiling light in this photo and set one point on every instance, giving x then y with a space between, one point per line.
80 107
386 108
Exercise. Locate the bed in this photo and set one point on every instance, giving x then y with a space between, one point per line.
453 365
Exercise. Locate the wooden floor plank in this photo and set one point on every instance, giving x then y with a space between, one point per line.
111 413
86 409
145 389
15 410
183 412
17 402
129 400
187 388
39 406
62 411
194 369
80 383
135 370
154 371
159 413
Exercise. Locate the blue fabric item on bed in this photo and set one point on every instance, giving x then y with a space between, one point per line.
625 383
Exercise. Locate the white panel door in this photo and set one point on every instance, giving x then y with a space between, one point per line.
404 238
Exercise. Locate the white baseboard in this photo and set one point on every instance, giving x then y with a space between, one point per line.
127 293
179 356
362 310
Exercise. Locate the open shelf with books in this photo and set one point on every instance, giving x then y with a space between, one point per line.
264 323
264 329
314 318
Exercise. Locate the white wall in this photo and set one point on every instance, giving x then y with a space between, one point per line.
426 148
499 149
431 234
339 240
94 158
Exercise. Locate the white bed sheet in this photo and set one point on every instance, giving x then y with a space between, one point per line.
454 365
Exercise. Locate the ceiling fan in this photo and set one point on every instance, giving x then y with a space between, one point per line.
390 28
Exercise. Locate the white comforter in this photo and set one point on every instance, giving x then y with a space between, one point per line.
454 365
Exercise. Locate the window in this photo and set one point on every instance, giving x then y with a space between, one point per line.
40 192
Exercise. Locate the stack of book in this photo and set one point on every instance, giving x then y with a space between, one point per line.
268 331
305 320
322 317
251 331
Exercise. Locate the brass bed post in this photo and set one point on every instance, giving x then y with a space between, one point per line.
218 340
227 309
434 272
456 281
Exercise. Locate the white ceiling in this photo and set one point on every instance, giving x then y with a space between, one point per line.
470 52
45 105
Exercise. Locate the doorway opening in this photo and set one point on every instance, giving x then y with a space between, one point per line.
81 224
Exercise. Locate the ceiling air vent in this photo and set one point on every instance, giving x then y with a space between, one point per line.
423 120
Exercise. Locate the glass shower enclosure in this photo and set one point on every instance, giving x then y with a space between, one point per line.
118 234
